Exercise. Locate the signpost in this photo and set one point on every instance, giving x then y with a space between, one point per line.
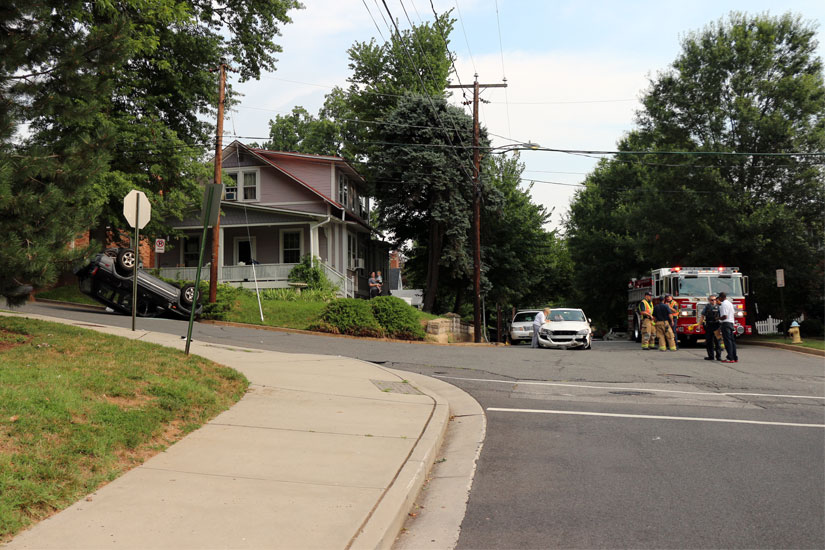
210 214
138 211
160 246
780 282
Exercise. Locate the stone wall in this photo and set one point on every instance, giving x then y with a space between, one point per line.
450 328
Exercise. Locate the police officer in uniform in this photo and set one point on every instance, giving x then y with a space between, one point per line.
710 318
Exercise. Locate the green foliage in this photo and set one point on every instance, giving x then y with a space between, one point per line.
752 84
524 262
113 96
351 316
292 295
397 318
812 328
311 272
225 297
434 212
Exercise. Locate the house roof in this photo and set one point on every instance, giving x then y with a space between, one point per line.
271 159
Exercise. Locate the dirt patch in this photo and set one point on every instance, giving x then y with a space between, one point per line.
10 339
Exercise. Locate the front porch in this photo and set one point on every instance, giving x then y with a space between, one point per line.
267 276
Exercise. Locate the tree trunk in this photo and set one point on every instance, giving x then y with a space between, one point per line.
433 256
459 299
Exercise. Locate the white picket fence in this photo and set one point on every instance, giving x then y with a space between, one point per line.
771 325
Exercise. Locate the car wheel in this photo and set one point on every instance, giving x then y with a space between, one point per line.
125 261
187 295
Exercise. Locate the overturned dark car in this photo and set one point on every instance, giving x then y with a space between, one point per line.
108 279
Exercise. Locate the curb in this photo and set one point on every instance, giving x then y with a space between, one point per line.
75 304
788 347
315 333
291 330
386 520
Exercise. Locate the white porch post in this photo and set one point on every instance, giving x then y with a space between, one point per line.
221 243
313 235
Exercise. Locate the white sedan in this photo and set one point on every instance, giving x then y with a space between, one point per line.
566 328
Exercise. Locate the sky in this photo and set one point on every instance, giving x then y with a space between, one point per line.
575 70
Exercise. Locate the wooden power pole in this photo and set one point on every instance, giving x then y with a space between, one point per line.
478 327
216 229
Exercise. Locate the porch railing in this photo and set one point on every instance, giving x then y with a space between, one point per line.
268 276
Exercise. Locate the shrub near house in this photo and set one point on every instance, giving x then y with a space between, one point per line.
381 316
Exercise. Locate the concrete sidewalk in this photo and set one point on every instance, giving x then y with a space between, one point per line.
322 452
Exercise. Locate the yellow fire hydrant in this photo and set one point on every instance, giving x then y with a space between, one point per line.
793 332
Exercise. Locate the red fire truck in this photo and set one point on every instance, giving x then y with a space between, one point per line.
690 287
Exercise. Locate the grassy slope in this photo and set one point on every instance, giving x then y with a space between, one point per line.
78 408
814 343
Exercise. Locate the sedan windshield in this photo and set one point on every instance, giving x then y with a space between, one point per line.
567 315
524 317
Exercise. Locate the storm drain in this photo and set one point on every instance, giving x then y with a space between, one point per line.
396 387
631 393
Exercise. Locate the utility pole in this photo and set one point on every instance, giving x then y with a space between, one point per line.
478 329
216 230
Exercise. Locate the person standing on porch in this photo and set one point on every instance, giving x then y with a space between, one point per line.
375 288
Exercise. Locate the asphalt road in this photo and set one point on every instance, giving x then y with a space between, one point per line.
614 447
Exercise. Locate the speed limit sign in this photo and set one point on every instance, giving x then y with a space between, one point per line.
160 246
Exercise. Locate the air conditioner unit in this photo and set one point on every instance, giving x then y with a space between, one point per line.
230 196
359 263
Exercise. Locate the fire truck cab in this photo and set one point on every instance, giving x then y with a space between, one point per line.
690 288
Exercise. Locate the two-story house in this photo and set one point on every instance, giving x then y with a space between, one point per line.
277 208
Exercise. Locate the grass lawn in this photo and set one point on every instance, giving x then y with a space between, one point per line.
814 343
277 313
79 408
297 314
68 293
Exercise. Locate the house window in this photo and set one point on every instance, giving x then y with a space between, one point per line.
291 246
231 192
343 189
250 186
242 185
244 250
352 247
191 250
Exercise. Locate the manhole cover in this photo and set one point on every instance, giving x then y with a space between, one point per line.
631 393
396 387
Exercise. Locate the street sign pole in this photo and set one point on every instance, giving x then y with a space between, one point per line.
137 263
780 282
208 199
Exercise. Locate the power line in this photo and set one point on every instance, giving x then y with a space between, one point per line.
503 73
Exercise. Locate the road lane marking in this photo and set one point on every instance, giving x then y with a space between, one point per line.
654 417
564 385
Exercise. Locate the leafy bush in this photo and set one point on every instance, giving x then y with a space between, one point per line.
396 317
811 328
350 316
309 271
224 300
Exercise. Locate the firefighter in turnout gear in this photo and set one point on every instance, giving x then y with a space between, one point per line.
645 309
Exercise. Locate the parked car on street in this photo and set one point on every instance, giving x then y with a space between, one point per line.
566 328
108 279
521 327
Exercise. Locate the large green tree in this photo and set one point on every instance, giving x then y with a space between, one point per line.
525 264
98 98
422 180
741 113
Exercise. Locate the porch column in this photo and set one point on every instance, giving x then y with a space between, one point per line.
220 254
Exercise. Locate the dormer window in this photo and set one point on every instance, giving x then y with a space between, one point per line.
242 185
